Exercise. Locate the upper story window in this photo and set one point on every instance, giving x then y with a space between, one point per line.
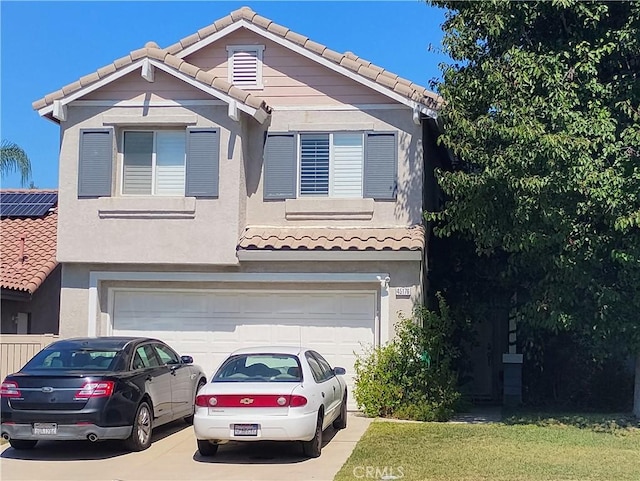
154 163
245 66
330 164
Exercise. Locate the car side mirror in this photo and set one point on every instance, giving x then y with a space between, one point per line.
339 371
186 359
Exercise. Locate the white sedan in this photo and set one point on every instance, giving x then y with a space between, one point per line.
271 394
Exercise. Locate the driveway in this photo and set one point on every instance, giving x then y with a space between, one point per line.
174 456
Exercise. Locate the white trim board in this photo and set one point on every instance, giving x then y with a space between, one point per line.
311 56
337 108
147 103
383 323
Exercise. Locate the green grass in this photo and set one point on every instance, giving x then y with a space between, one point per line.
523 448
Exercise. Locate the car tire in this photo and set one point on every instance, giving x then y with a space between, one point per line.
206 448
189 419
140 438
341 421
23 443
313 448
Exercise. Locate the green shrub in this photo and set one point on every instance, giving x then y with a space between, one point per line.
411 377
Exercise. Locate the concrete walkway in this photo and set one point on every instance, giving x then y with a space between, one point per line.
479 415
173 456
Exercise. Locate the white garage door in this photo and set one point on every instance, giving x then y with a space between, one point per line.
208 325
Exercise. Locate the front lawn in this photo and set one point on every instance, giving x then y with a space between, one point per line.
524 448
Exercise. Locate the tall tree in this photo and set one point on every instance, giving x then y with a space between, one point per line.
14 158
543 108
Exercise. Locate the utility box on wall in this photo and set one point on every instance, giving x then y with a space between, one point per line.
512 394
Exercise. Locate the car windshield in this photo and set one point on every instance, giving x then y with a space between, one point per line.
69 359
259 368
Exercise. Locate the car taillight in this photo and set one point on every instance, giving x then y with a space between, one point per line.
95 389
250 400
10 389
297 401
206 400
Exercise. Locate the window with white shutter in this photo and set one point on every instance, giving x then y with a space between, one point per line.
154 163
245 66
346 172
331 164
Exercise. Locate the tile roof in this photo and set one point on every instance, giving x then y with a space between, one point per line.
39 251
326 239
348 60
152 51
168 56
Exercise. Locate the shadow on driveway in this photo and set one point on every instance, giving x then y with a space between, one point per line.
262 452
86 450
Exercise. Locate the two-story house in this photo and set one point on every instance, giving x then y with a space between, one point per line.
244 186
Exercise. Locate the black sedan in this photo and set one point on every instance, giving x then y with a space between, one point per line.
98 388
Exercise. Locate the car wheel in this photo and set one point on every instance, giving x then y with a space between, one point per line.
206 448
189 419
341 421
23 443
140 438
314 447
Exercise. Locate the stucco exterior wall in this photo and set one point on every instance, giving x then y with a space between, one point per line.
143 229
405 210
74 300
75 289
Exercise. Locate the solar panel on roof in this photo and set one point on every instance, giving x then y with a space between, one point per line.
26 204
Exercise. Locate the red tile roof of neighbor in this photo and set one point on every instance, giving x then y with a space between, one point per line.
325 238
38 250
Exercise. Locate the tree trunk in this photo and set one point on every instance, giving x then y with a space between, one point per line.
636 392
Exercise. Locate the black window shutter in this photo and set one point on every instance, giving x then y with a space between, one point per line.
380 166
95 163
203 163
280 166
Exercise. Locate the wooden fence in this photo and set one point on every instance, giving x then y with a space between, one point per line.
17 349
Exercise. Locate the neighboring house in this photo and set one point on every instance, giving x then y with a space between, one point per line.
243 186
29 274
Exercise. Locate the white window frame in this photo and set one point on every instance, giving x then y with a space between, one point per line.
259 51
153 162
330 193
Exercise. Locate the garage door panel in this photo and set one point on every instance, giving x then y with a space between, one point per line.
257 304
352 305
225 304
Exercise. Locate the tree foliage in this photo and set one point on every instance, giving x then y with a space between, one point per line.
13 158
543 109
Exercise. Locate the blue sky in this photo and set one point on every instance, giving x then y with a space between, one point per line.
47 45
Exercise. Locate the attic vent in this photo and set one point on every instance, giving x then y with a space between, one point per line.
245 66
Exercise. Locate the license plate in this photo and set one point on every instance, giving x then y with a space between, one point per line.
45 428
245 429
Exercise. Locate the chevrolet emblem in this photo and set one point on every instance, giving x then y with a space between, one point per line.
246 400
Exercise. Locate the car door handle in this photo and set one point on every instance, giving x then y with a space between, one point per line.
322 393
149 378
